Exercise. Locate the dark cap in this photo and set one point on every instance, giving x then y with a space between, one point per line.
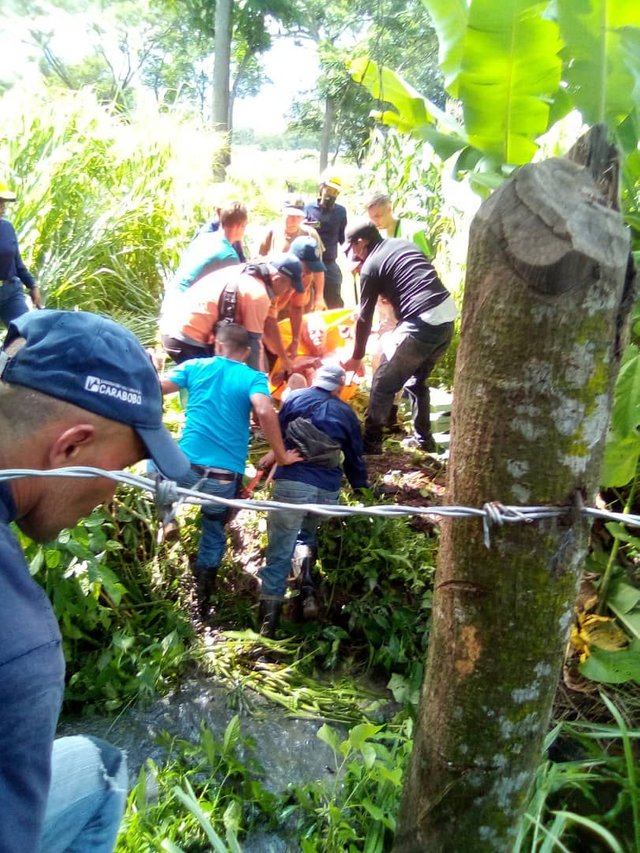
290 266
98 365
306 249
362 229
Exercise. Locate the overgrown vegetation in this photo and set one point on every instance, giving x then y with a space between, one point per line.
103 207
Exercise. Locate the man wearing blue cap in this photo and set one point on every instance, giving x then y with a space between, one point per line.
75 390
190 332
326 433
307 250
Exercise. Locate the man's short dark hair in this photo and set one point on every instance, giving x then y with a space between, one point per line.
381 199
234 213
362 229
233 335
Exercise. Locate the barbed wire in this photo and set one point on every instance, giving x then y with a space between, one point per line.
168 493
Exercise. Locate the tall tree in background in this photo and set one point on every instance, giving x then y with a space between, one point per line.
395 32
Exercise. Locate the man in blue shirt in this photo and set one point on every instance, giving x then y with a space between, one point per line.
330 220
76 389
209 251
222 392
323 428
13 272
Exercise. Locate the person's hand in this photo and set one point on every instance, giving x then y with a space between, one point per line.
292 349
351 365
287 364
36 298
319 304
291 457
267 460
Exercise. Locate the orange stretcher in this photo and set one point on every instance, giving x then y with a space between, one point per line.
325 335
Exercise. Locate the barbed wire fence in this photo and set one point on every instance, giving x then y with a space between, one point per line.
168 495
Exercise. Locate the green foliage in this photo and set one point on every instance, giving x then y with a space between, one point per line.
203 790
123 638
358 811
215 788
622 451
516 70
94 212
380 573
590 802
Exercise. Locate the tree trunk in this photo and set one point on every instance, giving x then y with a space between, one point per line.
545 300
221 75
327 129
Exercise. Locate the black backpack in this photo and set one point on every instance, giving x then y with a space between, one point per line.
228 302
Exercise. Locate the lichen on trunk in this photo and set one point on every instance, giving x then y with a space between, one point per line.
536 367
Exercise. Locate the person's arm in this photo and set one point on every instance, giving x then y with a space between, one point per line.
295 317
273 341
343 225
354 465
168 387
270 426
368 300
318 284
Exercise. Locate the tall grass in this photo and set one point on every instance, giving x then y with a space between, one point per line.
100 216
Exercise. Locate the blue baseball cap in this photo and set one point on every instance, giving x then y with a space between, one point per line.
306 249
98 365
290 266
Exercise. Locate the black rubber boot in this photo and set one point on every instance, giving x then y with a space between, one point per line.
205 586
269 617
372 438
304 560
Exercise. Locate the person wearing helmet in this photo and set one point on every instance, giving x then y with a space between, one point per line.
330 221
13 272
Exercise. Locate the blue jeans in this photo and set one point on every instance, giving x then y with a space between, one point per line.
285 529
418 347
213 540
13 302
87 796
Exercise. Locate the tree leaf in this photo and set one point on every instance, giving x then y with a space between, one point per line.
625 415
449 18
613 667
603 69
510 72
620 460
412 112
328 735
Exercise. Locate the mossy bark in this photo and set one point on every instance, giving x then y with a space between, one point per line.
545 301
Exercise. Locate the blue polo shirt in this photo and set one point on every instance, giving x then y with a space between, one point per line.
31 688
208 252
216 430
331 228
11 264
337 420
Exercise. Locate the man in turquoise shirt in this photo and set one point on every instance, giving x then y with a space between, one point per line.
222 392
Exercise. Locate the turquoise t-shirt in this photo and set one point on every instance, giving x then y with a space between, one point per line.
216 431
208 252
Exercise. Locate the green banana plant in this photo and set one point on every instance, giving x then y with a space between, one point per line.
517 66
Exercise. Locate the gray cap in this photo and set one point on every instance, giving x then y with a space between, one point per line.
329 377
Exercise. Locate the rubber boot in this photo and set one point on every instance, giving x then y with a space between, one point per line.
372 438
205 585
269 617
304 559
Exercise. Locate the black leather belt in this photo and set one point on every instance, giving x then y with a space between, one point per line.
215 473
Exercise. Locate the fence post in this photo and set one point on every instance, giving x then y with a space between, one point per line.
547 291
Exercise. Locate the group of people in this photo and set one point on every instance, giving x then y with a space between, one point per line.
79 390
